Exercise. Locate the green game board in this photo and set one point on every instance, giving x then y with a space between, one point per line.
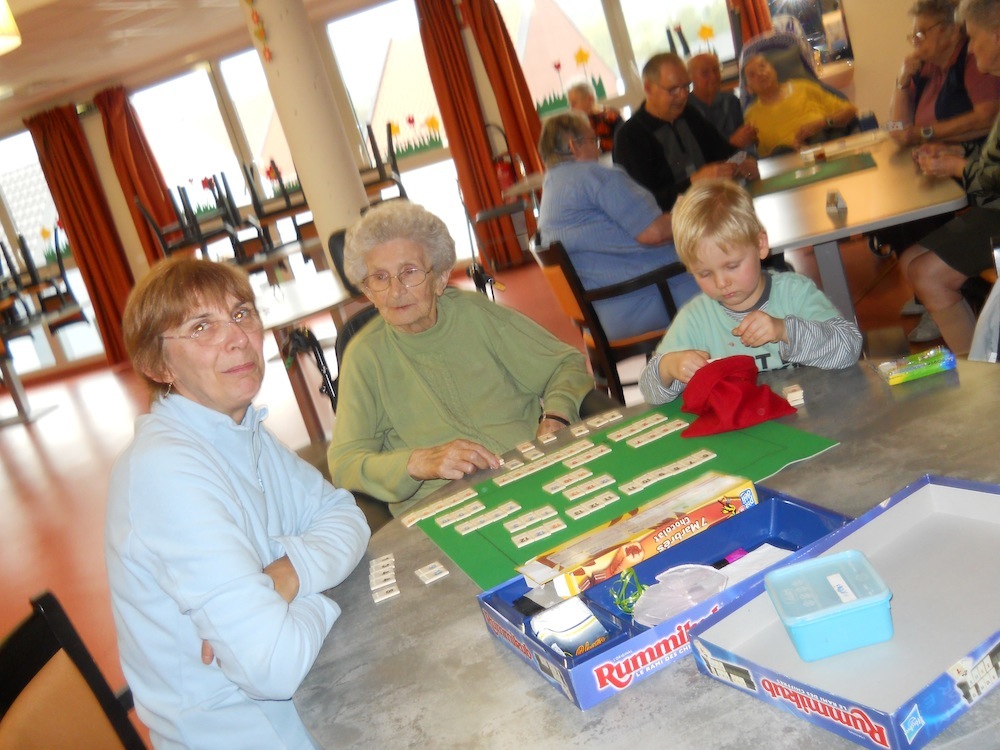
806 175
490 557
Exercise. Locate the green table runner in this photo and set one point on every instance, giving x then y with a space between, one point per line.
808 174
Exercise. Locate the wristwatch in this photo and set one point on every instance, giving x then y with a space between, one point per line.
927 133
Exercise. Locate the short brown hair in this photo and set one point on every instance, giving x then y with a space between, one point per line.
164 298
716 210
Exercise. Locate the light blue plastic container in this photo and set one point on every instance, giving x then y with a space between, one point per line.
831 604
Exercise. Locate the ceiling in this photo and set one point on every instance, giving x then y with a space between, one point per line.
71 49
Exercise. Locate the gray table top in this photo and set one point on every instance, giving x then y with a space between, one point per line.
420 670
893 193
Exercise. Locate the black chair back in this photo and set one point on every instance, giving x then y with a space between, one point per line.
38 643
13 268
336 245
29 262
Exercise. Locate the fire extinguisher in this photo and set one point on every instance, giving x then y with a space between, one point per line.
505 171
503 163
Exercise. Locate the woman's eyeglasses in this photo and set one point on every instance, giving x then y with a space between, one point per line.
918 36
214 332
408 277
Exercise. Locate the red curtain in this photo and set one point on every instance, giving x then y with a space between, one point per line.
136 167
517 110
69 170
455 89
755 18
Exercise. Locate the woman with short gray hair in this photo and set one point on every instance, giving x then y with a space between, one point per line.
609 225
442 381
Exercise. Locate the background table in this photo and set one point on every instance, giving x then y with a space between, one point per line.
284 306
420 670
891 194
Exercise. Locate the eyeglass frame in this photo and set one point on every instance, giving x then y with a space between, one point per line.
252 323
390 277
674 90
919 36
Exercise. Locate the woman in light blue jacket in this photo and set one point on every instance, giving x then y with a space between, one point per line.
219 540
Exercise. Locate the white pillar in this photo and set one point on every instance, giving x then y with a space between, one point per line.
310 118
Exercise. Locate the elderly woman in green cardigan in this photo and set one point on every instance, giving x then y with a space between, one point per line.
443 380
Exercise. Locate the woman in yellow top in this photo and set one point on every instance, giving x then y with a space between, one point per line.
790 114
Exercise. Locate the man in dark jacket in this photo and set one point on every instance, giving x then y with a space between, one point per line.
666 145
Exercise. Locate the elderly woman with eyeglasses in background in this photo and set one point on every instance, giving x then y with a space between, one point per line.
219 540
443 380
940 93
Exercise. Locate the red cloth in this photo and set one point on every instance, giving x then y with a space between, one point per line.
725 396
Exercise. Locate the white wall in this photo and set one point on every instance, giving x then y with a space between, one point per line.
878 30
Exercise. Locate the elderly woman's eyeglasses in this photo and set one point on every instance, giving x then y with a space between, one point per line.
918 36
408 277
214 332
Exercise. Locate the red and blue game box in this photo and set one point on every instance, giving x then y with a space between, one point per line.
944 652
632 652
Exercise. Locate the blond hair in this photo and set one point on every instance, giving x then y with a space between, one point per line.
719 211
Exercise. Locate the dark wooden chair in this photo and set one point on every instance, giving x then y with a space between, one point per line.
578 303
209 227
58 303
336 245
285 204
173 238
52 694
384 174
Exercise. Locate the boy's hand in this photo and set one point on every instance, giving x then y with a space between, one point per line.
759 328
681 365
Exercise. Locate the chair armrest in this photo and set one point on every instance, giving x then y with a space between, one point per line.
651 278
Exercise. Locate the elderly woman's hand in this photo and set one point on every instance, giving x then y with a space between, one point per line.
450 461
941 164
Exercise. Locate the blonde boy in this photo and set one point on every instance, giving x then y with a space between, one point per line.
779 319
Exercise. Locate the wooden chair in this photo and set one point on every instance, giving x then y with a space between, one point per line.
52 694
336 245
59 303
284 205
173 238
205 229
578 304
385 174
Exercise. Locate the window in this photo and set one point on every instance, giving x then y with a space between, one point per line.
182 122
28 211
381 58
560 42
704 25
247 87
820 22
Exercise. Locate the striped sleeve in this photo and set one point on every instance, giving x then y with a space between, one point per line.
652 388
830 344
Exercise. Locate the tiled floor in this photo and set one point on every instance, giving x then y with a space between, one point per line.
53 472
